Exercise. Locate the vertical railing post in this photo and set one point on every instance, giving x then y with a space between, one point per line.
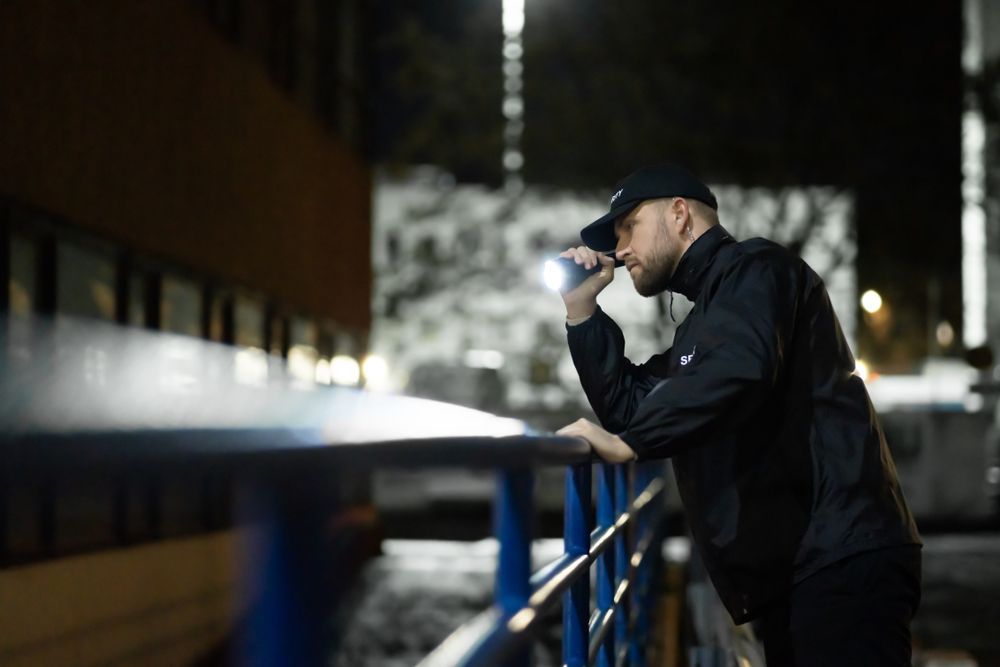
644 473
606 561
512 518
623 551
576 537
290 577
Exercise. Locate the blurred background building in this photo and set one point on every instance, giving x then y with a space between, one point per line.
459 290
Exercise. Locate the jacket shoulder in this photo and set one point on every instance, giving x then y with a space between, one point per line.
763 248
762 252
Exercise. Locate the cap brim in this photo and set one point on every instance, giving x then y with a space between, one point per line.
600 234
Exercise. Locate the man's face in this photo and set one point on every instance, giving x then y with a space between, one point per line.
647 246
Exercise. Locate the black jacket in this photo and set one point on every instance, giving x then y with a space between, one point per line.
779 457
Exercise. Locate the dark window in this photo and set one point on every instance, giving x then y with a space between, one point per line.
302 353
249 319
180 306
136 300
22 286
85 283
219 316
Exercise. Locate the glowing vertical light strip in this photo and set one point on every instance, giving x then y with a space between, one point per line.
513 102
973 189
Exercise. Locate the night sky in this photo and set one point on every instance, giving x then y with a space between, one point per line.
867 97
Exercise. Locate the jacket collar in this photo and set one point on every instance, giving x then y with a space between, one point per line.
691 271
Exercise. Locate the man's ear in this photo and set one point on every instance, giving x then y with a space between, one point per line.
680 213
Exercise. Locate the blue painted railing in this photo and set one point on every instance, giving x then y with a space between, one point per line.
161 402
625 535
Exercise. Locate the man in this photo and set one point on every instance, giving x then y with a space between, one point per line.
790 491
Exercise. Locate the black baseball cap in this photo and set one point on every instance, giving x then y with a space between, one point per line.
653 182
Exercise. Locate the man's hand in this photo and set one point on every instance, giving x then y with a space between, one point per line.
581 301
608 446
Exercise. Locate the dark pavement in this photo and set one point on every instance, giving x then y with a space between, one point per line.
416 594
960 609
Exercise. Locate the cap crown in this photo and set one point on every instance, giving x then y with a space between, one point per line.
652 182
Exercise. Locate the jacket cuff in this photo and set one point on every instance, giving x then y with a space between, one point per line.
586 324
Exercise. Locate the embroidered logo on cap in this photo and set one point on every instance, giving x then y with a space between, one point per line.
614 197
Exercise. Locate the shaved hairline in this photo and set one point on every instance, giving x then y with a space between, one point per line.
703 211
698 209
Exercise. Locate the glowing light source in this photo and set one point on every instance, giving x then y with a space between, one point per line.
861 370
513 104
871 301
974 252
302 363
975 274
323 372
513 160
513 51
250 367
553 275
513 107
375 371
345 370
513 17
563 273
945 334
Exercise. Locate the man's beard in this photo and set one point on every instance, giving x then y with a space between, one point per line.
654 276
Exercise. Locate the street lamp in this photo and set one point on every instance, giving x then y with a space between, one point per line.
871 301
513 102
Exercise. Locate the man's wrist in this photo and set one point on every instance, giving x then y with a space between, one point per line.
580 311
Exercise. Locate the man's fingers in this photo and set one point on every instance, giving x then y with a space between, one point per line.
577 428
568 429
582 255
586 257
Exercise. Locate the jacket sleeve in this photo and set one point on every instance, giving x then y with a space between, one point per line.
613 384
738 358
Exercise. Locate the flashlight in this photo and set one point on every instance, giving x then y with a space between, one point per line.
563 273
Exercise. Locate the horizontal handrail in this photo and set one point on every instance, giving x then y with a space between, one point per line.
153 397
50 451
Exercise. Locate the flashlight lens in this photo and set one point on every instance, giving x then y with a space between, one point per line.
553 275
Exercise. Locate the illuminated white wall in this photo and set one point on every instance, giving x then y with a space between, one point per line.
467 274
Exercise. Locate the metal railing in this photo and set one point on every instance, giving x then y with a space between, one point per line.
156 400
626 533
